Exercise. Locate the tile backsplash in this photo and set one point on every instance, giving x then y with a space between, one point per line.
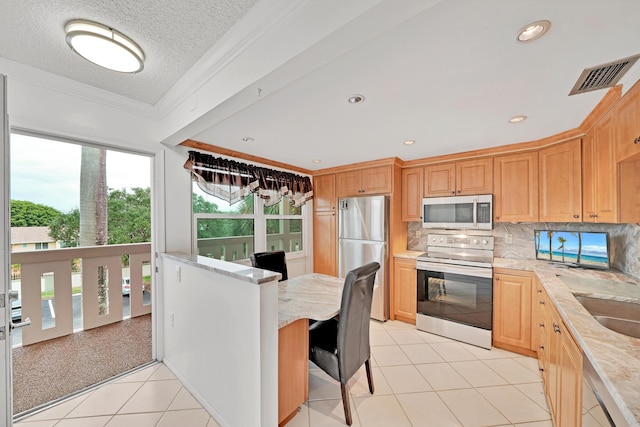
624 240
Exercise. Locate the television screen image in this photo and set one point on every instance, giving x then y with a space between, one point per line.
584 248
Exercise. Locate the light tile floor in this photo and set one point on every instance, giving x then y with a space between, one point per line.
420 380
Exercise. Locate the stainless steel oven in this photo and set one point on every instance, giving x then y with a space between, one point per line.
455 288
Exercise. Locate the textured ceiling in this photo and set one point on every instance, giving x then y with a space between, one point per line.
173 34
446 73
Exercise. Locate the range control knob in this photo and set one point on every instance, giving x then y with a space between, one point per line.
433 239
485 242
476 241
442 239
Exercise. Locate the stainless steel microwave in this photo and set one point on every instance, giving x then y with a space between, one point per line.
458 212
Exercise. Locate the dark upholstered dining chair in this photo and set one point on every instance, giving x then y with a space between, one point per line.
340 346
272 261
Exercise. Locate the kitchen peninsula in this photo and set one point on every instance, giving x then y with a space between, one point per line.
237 338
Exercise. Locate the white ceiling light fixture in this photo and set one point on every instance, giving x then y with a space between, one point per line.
533 31
356 99
517 119
104 46
316 161
248 139
409 142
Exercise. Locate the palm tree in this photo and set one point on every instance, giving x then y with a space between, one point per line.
562 241
550 234
93 211
579 235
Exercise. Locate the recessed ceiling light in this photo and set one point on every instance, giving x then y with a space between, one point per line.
248 139
409 142
317 161
533 31
104 46
517 119
355 99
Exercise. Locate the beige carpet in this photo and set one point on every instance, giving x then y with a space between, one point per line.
56 368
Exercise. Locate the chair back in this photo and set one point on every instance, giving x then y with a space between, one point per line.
355 315
272 261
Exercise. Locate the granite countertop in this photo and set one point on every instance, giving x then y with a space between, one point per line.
226 268
311 296
408 254
615 357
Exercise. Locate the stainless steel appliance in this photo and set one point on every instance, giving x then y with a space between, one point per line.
458 212
362 238
455 288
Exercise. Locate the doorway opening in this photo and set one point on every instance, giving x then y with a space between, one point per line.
81 264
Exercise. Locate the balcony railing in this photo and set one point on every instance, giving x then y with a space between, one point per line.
49 274
234 248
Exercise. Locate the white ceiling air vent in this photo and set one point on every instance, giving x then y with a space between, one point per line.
603 76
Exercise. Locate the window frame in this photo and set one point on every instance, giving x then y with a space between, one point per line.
260 227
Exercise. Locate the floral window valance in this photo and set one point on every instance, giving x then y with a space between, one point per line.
233 181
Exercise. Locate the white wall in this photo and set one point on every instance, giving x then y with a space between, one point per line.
221 341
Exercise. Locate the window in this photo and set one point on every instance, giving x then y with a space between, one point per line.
233 232
25 245
42 245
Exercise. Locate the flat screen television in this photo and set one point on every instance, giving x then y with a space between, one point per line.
587 249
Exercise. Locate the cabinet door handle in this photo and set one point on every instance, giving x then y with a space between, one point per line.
541 302
497 217
637 140
539 291
576 216
556 328
497 279
541 325
459 191
541 347
453 192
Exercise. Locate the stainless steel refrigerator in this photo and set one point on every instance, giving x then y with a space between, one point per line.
363 235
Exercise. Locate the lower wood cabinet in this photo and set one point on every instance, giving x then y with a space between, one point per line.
512 311
561 366
293 365
325 243
405 292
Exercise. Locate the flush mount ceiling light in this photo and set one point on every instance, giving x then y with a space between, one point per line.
316 161
517 119
409 142
355 99
104 46
248 139
533 31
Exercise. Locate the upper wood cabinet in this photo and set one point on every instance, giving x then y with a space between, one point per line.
412 179
324 192
599 177
465 177
516 187
627 124
560 176
376 180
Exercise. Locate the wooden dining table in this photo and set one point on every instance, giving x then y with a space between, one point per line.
310 296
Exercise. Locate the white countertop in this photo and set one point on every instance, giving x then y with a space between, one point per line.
311 296
615 357
231 269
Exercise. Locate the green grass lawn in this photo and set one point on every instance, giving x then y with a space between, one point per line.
50 294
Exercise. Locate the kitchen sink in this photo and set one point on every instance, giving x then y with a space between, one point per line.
619 316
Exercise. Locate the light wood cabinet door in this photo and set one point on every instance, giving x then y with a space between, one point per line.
325 243
516 187
474 177
362 182
512 310
627 124
599 177
440 180
405 293
570 381
561 182
348 183
377 180
412 194
293 364
552 351
324 192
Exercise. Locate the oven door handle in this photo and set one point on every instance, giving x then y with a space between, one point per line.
463 270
